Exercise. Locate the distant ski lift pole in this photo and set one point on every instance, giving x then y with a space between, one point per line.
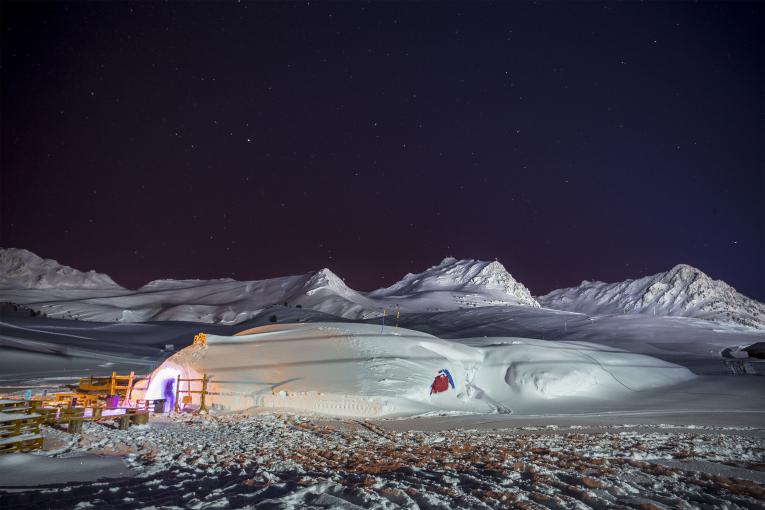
398 314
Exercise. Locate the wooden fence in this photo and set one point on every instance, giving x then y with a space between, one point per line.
108 385
202 392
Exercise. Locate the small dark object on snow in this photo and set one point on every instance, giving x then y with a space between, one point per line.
756 350
442 382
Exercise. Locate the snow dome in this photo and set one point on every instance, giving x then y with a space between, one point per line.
365 370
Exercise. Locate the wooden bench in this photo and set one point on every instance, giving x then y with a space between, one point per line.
130 417
13 406
60 414
20 432
80 399
72 417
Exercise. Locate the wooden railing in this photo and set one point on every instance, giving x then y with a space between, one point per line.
109 385
202 392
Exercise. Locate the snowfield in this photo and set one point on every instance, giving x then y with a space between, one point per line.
283 461
363 370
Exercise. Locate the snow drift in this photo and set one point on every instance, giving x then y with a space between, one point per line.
364 370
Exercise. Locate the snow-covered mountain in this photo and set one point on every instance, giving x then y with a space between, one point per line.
457 284
682 291
63 292
60 291
22 269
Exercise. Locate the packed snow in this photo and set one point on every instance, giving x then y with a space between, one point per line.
364 370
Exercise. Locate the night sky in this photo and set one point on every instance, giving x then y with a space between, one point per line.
569 141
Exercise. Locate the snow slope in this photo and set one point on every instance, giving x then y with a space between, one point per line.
682 291
346 369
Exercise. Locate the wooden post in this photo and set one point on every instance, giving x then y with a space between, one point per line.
112 383
74 426
202 406
140 418
177 394
124 421
129 389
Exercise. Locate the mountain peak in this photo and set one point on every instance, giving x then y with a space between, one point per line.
325 278
464 276
22 269
686 272
684 291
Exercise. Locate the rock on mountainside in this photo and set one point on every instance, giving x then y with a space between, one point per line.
471 282
22 269
682 291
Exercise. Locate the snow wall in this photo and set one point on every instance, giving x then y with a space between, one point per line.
363 370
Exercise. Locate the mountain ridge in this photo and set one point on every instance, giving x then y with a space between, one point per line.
20 265
61 291
684 291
